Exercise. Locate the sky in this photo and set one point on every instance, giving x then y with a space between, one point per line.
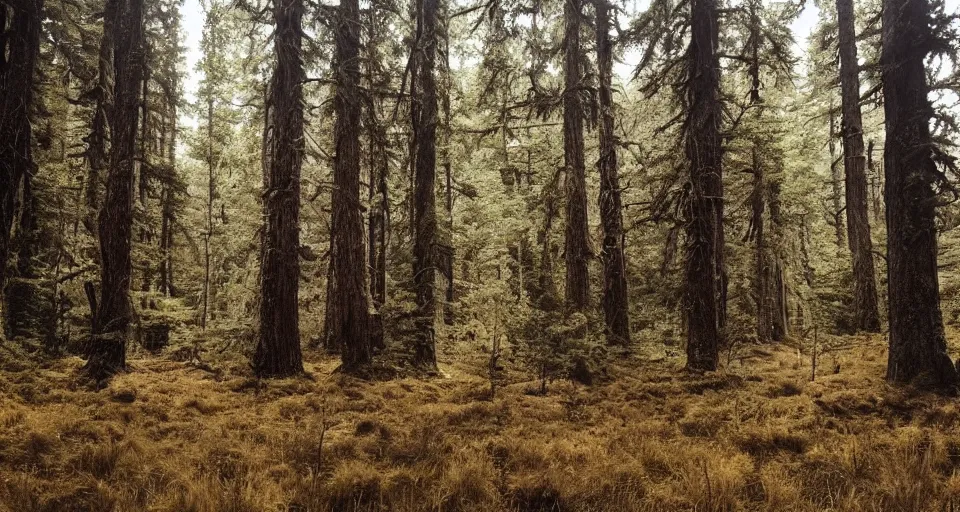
193 28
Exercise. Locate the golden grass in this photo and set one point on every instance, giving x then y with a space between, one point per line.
758 436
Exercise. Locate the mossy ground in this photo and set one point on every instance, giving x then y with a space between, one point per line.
170 436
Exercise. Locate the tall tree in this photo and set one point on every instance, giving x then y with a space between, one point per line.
19 47
577 232
349 319
615 300
918 351
866 315
278 344
96 154
113 312
424 194
705 280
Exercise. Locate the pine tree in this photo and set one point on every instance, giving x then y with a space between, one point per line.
19 48
918 350
577 242
112 315
615 299
705 273
349 319
424 194
866 315
278 345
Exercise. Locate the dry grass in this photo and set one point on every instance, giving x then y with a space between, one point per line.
758 436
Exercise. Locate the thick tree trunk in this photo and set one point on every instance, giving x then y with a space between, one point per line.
278 343
577 244
19 48
866 315
425 204
113 315
705 282
615 299
349 327
378 197
97 157
918 351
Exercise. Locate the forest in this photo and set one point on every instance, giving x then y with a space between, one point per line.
479 255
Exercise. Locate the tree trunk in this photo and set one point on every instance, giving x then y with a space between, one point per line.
577 245
615 299
705 282
836 183
19 49
448 318
278 344
349 328
866 316
211 190
425 191
918 351
112 318
168 211
378 196
97 157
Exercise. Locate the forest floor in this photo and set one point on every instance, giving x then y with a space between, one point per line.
758 435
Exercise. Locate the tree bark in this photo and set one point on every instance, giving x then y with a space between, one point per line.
615 299
425 206
211 191
836 183
278 344
577 243
866 315
19 49
378 192
113 315
97 156
918 351
349 328
168 211
705 281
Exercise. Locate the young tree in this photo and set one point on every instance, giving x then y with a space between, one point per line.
918 351
19 46
278 344
113 312
866 315
615 299
577 231
349 319
424 194
705 280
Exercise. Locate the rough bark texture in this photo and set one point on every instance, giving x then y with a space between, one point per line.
168 211
866 315
97 157
113 314
577 243
918 351
769 289
425 203
615 299
705 286
278 344
19 46
378 193
349 327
